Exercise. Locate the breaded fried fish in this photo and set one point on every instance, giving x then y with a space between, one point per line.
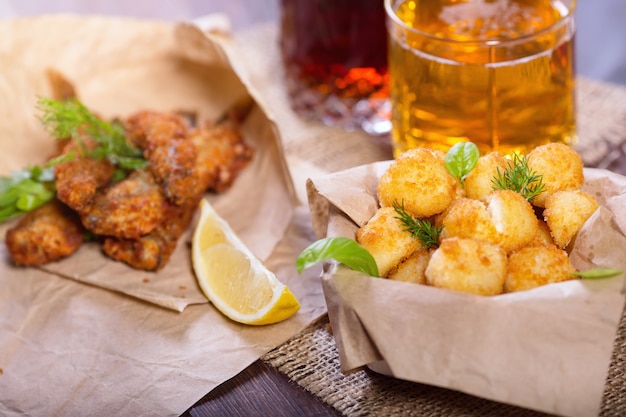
128 209
46 234
152 251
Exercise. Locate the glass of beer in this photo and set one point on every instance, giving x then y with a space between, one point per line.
499 73
335 60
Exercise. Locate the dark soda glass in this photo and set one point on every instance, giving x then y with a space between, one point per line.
335 60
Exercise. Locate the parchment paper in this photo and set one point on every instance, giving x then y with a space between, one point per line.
546 349
72 346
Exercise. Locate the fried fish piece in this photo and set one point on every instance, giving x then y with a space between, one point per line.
152 251
170 154
78 181
128 209
46 234
148 129
222 155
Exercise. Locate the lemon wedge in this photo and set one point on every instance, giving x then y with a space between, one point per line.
232 278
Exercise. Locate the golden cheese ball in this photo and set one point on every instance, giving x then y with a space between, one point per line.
566 212
505 219
468 265
559 165
478 183
412 268
543 236
385 238
534 266
468 218
513 217
419 179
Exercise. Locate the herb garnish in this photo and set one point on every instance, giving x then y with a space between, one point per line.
420 229
598 273
72 119
461 159
520 178
342 249
29 188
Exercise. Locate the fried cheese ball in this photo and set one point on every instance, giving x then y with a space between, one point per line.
418 179
468 218
543 236
514 218
534 266
566 212
560 167
385 238
478 183
412 269
468 265
506 219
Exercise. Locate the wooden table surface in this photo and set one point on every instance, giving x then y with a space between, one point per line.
260 390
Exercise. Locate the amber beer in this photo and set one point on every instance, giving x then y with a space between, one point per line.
335 61
498 73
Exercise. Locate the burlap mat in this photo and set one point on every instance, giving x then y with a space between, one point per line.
311 360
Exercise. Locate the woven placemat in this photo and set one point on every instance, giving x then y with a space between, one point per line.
311 360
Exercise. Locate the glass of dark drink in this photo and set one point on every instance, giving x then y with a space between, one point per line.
335 60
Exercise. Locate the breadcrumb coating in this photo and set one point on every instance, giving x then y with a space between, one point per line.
479 182
534 266
413 268
419 179
566 212
385 238
468 265
560 167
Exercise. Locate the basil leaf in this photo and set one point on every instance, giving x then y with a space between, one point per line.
598 273
342 249
461 159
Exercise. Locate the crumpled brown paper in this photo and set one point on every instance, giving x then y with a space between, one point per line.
109 347
155 67
546 349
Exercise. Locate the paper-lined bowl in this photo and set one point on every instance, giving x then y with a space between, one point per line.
546 349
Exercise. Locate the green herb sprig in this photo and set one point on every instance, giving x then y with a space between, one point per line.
29 188
461 159
519 177
420 229
598 273
342 249
72 119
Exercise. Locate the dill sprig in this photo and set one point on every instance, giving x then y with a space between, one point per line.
519 177
420 229
72 119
